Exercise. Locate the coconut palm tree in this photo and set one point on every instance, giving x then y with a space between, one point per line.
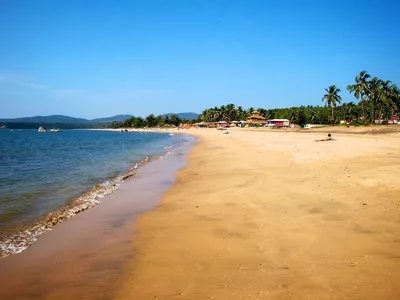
230 112
332 98
389 99
395 98
360 88
385 99
150 120
374 93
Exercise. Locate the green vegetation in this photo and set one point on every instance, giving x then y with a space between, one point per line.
151 121
377 100
331 99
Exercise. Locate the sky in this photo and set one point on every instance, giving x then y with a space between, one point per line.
100 58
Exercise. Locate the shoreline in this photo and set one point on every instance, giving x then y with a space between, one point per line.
257 215
22 237
73 259
27 235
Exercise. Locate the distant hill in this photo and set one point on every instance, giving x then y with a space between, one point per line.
119 118
66 122
184 115
65 119
46 119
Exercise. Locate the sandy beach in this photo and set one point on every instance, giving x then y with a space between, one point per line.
266 214
255 214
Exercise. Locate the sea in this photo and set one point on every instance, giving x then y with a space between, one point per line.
48 177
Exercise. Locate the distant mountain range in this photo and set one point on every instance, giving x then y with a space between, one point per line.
64 119
60 120
72 120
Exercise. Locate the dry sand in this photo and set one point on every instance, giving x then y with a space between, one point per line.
264 214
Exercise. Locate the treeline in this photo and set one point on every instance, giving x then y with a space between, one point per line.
298 115
151 121
377 100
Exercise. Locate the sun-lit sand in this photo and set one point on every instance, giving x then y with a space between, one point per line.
267 214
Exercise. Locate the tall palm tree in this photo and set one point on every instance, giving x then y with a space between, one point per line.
360 88
230 112
351 111
374 93
395 99
241 113
332 98
389 98
385 93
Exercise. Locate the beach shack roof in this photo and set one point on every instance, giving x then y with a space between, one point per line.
256 118
201 124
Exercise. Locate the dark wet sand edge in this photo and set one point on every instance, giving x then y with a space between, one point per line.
84 257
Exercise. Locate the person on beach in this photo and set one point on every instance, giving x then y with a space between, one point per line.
327 139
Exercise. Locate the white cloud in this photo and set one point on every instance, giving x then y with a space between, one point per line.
18 81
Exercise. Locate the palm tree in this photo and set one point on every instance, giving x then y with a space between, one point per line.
175 120
159 121
230 112
352 111
331 99
348 110
389 99
395 99
207 115
385 100
151 120
374 93
360 88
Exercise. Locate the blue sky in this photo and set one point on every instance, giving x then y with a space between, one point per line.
100 58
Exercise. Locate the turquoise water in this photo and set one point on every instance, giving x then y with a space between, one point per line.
47 177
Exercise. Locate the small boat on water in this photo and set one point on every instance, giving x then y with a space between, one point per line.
42 129
55 130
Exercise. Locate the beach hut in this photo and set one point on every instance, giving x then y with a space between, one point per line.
201 125
279 123
222 124
256 119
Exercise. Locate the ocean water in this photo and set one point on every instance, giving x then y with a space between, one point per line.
46 177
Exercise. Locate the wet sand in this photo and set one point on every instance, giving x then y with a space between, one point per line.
261 214
84 257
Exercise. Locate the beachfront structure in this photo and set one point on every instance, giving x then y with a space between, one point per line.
279 123
392 120
307 126
201 125
256 119
222 124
